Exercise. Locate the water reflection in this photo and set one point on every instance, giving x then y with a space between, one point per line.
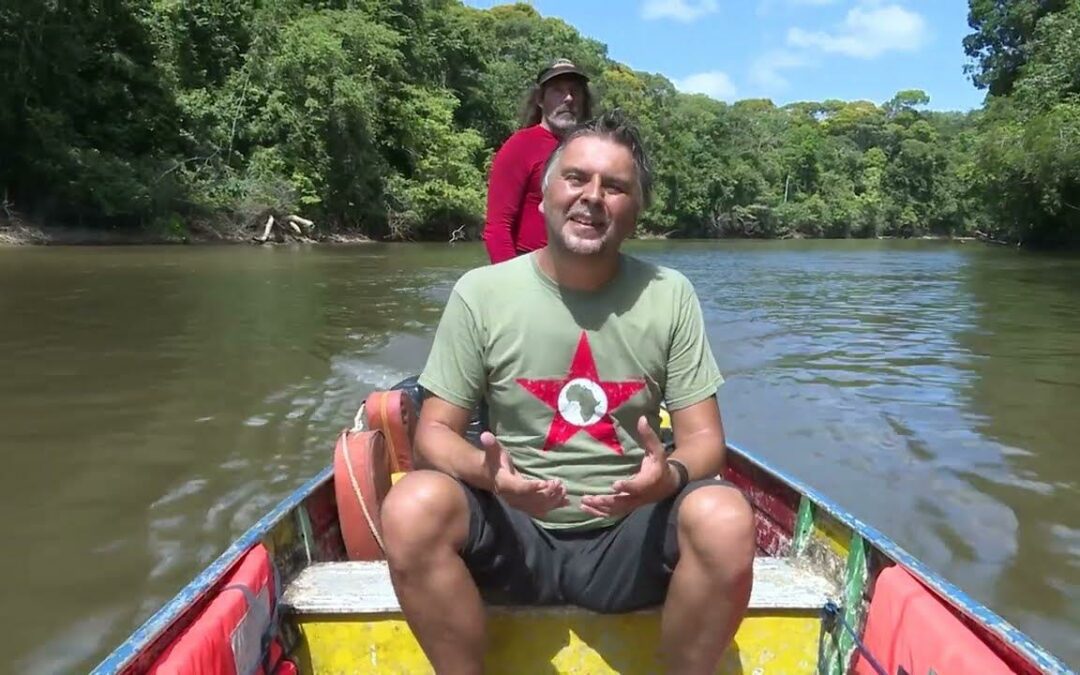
157 401
928 388
1025 401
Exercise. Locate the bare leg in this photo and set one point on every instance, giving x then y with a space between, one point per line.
710 588
425 522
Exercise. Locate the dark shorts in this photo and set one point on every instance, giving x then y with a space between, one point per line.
619 568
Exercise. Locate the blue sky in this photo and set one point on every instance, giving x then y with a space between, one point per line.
786 50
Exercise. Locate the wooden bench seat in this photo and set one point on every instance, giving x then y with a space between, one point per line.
364 588
349 621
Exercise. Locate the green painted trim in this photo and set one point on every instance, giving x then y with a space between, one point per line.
306 533
832 662
804 526
841 646
854 584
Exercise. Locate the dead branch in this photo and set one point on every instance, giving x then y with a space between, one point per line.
266 232
302 222
283 228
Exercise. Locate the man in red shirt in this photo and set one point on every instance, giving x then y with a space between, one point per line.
555 105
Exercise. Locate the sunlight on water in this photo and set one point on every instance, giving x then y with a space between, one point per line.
930 388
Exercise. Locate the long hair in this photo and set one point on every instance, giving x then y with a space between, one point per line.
530 113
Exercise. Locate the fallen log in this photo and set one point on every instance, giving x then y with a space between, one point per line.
266 232
282 228
303 222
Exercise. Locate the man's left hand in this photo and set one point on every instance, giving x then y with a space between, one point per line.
653 482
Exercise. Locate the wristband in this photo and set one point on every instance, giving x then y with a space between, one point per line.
681 470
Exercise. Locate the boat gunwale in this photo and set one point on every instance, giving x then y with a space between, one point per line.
189 596
979 613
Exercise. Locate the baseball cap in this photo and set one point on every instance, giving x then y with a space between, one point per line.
560 67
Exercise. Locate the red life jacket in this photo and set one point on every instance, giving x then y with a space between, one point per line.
909 630
232 635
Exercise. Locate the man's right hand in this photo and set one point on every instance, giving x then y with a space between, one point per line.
534 497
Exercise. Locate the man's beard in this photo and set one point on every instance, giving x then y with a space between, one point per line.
570 241
562 120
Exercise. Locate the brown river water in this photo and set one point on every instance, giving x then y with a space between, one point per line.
155 401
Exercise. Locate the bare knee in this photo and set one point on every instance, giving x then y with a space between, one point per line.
425 512
716 523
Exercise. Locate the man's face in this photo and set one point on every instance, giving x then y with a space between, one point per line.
591 202
562 103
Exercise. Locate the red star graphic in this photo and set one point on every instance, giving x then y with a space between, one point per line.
582 367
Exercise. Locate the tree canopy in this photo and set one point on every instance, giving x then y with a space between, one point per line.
380 117
1026 142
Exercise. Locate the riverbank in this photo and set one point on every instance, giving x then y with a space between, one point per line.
15 231
22 234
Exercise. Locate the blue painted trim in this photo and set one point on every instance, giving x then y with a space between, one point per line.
156 624
145 635
1008 633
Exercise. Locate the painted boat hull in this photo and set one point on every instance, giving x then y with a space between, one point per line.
793 521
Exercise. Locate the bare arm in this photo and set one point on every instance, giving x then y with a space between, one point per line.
440 440
455 374
699 438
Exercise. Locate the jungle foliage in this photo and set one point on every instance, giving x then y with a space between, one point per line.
380 117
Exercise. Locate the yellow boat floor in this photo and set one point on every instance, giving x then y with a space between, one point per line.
349 621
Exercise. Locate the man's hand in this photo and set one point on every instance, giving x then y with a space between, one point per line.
534 497
653 482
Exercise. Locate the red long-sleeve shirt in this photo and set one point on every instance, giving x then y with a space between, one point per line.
514 224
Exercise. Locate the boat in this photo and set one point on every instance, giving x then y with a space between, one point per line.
304 591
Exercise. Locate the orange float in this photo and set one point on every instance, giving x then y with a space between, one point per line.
361 480
392 413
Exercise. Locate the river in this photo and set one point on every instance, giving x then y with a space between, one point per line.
154 401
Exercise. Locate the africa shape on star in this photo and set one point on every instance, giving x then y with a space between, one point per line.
581 401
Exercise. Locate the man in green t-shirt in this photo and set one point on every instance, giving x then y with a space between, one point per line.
572 499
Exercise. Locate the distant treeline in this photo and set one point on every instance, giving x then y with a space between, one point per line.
379 117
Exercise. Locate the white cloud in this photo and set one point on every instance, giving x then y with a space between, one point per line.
766 70
680 10
713 83
867 32
766 7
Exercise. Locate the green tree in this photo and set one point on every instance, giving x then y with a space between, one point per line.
999 45
381 117
83 111
1027 155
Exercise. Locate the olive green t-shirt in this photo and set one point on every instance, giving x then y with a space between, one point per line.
567 373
